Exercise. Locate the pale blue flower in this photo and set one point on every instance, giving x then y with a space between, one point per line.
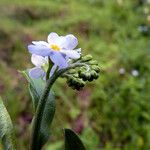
40 65
122 71
59 48
135 73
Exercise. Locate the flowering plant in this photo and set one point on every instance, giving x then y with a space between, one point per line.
53 59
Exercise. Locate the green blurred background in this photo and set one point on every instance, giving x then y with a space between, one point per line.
111 113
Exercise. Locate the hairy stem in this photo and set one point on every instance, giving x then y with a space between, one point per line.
49 68
35 144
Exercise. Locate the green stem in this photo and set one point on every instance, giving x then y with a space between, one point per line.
35 144
49 69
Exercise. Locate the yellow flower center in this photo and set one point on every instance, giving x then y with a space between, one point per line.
55 47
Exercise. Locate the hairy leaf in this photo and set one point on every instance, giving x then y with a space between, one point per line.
6 128
36 87
72 141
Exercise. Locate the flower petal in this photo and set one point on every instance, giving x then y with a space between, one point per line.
71 53
53 70
36 72
39 50
61 41
59 60
78 50
38 60
55 39
70 42
52 38
40 43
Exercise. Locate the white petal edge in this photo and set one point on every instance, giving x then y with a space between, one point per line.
40 43
70 42
59 60
73 54
53 70
39 50
38 60
36 72
78 50
52 38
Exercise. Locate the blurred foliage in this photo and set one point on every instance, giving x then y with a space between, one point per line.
111 113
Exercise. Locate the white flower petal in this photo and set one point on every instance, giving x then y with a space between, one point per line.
135 73
36 72
70 42
52 38
61 41
38 60
53 70
78 50
40 43
59 60
39 50
71 53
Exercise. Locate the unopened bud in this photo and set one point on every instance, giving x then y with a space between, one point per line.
87 58
96 68
91 78
88 75
93 62
94 74
72 71
75 75
81 74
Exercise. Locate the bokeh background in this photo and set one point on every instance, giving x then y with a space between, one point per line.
111 113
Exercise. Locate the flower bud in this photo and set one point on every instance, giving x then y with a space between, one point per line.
94 74
87 58
96 68
76 75
91 77
72 71
93 62
81 82
82 75
88 76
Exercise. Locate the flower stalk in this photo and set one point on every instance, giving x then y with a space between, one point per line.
35 144
49 69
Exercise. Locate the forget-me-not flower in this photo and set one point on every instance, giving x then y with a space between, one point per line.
59 48
40 68
135 73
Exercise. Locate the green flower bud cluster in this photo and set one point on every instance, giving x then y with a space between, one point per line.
93 72
88 76
75 83
76 78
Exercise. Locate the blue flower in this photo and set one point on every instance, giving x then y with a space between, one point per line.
40 68
59 48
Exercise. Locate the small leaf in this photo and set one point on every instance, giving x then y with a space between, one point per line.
72 141
6 128
36 87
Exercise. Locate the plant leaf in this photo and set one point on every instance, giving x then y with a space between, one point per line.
72 141
36 87
6 128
